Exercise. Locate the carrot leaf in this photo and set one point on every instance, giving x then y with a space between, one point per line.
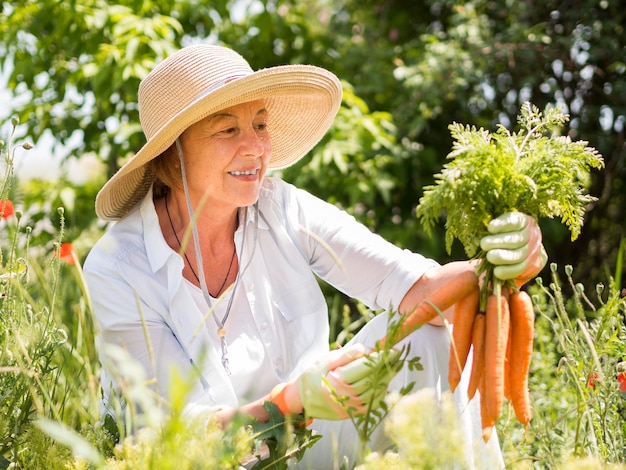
535 170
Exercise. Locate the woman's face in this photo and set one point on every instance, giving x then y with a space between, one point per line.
226 155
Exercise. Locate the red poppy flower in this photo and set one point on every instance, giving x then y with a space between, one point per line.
67 253
621 377
592 379
6 208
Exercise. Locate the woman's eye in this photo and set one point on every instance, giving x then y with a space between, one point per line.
261 126
230 130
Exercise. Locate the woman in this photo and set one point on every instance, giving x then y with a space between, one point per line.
237 302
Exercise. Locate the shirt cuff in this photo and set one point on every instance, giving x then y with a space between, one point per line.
409 270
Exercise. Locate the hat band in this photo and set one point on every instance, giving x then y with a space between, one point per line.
217 85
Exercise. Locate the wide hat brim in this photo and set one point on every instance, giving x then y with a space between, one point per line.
302 101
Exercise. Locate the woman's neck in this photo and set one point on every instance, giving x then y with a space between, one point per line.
215 231
215 224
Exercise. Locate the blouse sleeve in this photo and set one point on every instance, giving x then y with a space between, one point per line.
347 255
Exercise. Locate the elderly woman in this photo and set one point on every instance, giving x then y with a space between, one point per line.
211 268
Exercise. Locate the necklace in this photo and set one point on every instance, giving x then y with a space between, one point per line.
230 266
221 331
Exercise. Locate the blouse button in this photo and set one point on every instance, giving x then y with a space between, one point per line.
264 325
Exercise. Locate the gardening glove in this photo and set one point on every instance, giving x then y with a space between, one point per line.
514 247
368 377
343 375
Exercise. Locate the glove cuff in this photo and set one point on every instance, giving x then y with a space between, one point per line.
279 396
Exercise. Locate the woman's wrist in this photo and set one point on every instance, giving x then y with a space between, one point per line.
286 396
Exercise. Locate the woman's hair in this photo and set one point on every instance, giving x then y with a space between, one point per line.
166 170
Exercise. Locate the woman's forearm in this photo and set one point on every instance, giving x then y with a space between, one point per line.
286 396
428 283
253 409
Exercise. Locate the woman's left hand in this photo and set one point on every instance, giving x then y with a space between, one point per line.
514 246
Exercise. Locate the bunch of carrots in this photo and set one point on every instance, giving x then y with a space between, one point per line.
502 338
489 174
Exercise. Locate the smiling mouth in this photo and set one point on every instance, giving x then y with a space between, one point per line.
244 173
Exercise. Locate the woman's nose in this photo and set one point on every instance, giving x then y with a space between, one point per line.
253 145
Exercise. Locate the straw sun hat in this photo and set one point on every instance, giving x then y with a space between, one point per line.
199 80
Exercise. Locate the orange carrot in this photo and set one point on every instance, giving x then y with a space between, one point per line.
464 313
487 421
496 336
507 362
522 326
440 300
478 358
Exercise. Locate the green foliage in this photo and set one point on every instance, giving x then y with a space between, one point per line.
38 451
79 65
41 200
579 352
74 67
286 439
29 338
165 438
27 366
355 163
389 360
579 415
494 173
188 448
80 448
426 433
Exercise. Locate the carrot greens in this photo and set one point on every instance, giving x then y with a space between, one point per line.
534 170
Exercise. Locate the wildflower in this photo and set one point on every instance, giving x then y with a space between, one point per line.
592 379
621 378
6 208
67 253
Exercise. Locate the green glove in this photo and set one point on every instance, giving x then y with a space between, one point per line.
514 247
345 374
370 375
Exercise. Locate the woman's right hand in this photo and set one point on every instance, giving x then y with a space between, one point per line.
344 374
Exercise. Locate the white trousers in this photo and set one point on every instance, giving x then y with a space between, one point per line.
431 344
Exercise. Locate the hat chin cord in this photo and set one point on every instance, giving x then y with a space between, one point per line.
221 330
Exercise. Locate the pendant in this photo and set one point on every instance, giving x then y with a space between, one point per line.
221 332
224 353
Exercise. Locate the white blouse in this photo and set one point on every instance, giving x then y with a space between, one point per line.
283 243
251 371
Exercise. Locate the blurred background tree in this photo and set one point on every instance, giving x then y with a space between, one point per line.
409 70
